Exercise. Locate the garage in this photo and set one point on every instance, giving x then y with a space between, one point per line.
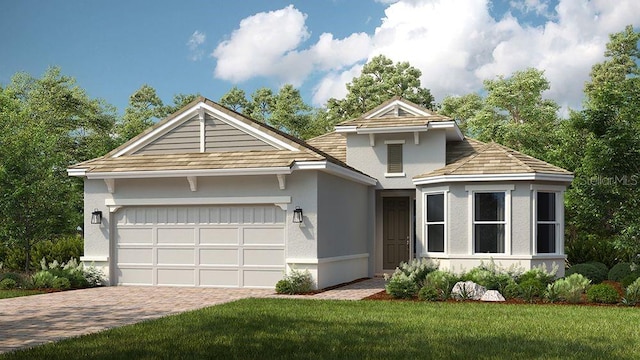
204 246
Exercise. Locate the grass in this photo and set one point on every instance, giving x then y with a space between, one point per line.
289 328
5 294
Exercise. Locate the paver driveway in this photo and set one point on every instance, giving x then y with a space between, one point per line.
37 319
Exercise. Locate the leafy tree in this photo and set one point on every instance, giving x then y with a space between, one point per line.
46 124
604 200
262 102
181 100
236 100
380 80
290 113
145 107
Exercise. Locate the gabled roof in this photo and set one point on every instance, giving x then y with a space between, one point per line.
286 154
399 115
470 160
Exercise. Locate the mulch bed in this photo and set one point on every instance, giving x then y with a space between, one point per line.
314 292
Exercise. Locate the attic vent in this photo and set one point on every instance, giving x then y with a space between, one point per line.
394 158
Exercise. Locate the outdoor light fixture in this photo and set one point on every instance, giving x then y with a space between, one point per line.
96 216
297 215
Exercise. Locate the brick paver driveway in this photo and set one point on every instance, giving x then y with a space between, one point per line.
31 320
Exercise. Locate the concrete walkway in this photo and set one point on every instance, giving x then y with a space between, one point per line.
37 319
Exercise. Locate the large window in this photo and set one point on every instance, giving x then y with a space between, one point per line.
435 224
547 223
489 224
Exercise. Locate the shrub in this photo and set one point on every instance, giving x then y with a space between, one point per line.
539 273
8 284
584 248
62 250
13 276
61 283
491 276
296 282
429 293
569 288
603 293
512 291
590 271
443 281
629 279
418 269
619 271
552 293
401 286
632 293
531 289
43 279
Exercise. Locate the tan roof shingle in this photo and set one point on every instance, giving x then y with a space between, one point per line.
333 143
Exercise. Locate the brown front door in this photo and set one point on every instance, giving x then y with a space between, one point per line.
395 231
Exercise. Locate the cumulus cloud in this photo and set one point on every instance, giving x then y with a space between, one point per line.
194 44
455 43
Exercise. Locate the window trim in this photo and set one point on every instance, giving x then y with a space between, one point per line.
503 188
559 222
425 223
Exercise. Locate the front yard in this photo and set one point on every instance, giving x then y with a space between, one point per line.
287 328
6 294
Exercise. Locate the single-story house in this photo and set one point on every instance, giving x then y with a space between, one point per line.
209 197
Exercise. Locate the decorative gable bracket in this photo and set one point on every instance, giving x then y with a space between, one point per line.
282 181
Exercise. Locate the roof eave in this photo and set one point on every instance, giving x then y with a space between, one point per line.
438 179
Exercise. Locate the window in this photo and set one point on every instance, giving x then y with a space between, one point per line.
547 223
394 159
435 222
489 222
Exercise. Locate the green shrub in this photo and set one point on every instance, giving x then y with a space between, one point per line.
619 271
569 288
512 291
296 282
8 284
402 286
531 289
540 273
429 293
589 270
629 279
443 281
552 293
61 250
632 293
43 279
61 283
417 269
491 276
603 293
585 248
13 276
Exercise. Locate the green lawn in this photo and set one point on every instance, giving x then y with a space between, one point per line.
286 328
5 294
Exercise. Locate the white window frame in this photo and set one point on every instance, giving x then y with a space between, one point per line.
426 223
503 188
394 142
559 222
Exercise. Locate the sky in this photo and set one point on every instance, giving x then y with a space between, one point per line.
114 47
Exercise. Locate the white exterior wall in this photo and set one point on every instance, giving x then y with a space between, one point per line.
459 254
418 159
301 241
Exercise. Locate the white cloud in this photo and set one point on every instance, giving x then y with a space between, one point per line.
195 41
455 43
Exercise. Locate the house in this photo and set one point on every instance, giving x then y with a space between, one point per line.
208 197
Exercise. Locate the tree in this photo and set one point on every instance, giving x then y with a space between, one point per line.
380 80
604 200
145 107
236 100
262 102
46 124
290 113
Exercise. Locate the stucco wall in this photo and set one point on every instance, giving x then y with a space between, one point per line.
428 155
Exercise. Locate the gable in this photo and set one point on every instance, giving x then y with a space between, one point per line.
205 127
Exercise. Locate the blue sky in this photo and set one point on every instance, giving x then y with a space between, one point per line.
114 47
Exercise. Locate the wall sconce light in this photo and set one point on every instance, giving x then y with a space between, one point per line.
297 215
96 216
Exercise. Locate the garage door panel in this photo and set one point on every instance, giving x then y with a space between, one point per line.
174 256
219 236
261 277
219 257
213 246
214 277
135 276
176 235
263 257
176 277
135 235
129 255
263 236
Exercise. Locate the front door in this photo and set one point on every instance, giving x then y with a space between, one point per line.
395 230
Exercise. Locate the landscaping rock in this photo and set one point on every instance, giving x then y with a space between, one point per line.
468 290
492 295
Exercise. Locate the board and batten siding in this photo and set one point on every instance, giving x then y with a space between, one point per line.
219 137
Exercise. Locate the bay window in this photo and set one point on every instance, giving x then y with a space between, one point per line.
489 222
435 222
546 223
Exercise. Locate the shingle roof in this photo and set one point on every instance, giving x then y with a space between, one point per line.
472 157
333 143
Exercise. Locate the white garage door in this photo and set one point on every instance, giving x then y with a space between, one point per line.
216 246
